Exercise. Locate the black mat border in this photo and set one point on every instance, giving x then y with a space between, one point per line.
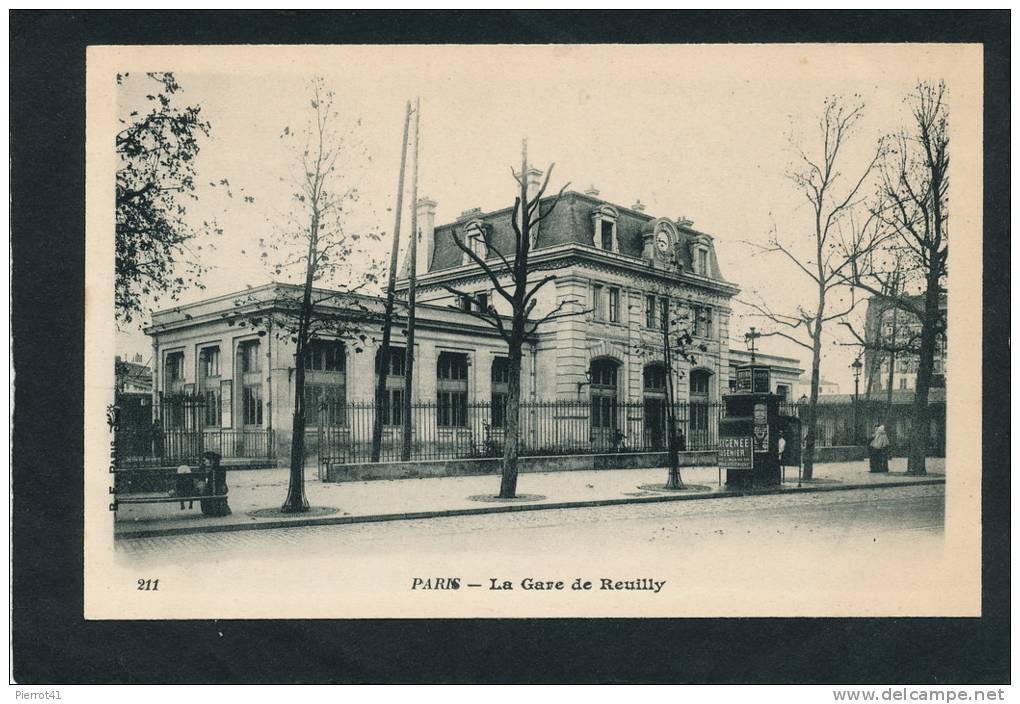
53 644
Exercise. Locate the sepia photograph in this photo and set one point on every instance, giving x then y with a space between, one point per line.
383 329
510 347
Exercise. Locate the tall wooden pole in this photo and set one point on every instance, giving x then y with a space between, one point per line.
673 480
405 453
384 353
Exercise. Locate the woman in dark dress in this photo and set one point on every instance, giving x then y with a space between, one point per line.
215 486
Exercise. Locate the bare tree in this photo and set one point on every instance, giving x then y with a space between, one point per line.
323 246
914 213
833 244
674 341
884 346
510 279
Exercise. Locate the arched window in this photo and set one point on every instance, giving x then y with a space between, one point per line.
700 416
604 393
655 377
604 237
699 382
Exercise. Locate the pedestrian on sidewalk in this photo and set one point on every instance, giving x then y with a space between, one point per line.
216 486
879 450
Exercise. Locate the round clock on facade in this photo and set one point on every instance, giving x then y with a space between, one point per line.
662 241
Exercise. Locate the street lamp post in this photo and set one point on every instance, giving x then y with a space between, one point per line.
750 338
856 366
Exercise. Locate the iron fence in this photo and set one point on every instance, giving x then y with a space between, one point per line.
854 423
177 431
477 429
468 430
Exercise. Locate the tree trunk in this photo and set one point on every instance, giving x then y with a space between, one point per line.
296 501
511 444
919 430
811 421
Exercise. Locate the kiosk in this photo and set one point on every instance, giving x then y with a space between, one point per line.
750 430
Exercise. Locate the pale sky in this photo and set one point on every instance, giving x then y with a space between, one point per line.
699 131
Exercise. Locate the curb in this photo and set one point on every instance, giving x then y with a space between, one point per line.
509 508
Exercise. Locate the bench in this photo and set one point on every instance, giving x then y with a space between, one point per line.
166 497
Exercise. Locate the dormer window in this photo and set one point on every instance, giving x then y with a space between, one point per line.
699 254
474 238
605 236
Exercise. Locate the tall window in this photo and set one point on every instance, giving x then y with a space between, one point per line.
325 382
251 411
500 388
650 319
474 238
606 235
452 389
699 382
464 301
701 262
604 393
655 404
699 409
614 305
482 301
173 373
251 383
209 361
325 356
783 391
702 316
393 397
597 305
250 360
664 313
209 383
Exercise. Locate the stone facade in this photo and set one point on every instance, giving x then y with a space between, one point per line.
595 250
612 263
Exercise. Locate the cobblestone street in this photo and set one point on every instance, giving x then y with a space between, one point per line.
836 517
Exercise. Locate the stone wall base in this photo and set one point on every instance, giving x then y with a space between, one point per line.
554 463
840 453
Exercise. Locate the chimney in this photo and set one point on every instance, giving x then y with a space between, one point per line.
592 191
427 228
138 357
534 177
638 206
684 221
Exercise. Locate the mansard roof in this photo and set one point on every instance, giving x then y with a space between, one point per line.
570 222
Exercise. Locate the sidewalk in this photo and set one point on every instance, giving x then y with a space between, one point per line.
401 499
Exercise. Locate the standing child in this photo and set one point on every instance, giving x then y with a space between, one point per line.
185 485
